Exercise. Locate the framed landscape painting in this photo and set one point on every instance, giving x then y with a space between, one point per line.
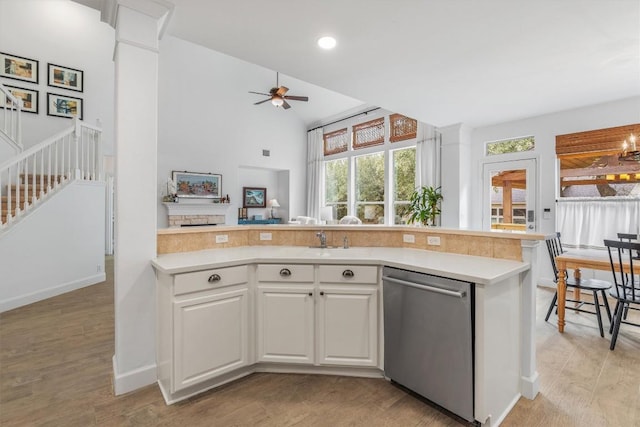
29 98
253 197
19 68
65 78
197 185
64 106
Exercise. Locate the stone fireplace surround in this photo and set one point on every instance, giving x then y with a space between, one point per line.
193 213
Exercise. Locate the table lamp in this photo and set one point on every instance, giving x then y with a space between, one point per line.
274 204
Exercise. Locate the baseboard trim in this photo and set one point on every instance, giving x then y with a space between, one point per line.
21 300
547 283
132 380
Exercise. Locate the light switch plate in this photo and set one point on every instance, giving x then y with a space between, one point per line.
408 238
433 240
265 236
222 238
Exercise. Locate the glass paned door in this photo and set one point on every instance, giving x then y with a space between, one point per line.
509 196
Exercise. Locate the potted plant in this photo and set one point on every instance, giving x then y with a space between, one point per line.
424 205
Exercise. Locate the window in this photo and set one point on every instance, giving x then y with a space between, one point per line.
336 172
402 127
592 163
368 133
404 182
515 145
336 142
370 188
371 178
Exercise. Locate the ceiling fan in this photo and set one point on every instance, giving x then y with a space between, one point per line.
278 96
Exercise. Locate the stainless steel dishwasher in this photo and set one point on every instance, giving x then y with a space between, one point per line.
428 337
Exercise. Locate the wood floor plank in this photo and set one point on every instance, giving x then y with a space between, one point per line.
56 370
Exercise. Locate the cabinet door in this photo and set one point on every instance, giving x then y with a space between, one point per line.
348 326
210 336
285 325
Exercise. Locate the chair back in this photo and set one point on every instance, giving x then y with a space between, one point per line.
626 286
629 238
554 246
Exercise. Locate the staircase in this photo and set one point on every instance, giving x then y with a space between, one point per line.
25 193
52 210
29 178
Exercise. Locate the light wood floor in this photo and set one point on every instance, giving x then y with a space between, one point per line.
55 370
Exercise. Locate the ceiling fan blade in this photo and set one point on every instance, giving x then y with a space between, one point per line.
285 105
296 98
260 93
262 102
282 90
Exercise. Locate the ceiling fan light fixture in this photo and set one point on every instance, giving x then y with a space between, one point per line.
327 42
277 100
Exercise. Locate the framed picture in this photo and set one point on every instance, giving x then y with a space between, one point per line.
253 197
197 185
19 68
64 106
65 77
29 98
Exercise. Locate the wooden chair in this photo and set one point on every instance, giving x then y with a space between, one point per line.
626 289
554 246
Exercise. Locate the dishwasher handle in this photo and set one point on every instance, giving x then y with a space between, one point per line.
459 294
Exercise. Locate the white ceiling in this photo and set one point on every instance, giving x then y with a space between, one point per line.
477 62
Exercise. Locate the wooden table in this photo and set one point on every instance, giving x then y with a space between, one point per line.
593 259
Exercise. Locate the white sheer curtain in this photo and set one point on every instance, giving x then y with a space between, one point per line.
315 157
428 158
586 222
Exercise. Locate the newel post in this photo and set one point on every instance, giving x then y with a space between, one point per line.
76 146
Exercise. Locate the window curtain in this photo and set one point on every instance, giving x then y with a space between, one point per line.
314 171
428 158
586 222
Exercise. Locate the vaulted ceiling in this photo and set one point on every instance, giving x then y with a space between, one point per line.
440 61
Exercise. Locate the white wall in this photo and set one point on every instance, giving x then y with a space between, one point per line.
208 123
544 129
57 248
64 33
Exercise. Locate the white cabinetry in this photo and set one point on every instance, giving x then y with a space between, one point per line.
347 315
208 331
329 321
285 313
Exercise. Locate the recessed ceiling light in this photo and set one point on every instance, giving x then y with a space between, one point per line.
327 42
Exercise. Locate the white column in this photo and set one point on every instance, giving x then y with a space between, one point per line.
136 134
529 381
456 179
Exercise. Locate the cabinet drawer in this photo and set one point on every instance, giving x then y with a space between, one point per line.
285 273
209 279
348 274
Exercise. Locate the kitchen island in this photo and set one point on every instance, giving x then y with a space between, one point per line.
295 309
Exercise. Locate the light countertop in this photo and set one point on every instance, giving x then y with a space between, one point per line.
481 270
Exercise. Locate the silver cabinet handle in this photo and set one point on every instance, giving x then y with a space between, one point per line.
348 273
214 278
285 272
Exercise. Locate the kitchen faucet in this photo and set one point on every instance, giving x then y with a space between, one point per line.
323 239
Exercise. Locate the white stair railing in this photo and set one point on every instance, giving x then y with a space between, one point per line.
25 180
10 124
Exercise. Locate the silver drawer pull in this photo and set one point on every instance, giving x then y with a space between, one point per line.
285 272
214 278
347 273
